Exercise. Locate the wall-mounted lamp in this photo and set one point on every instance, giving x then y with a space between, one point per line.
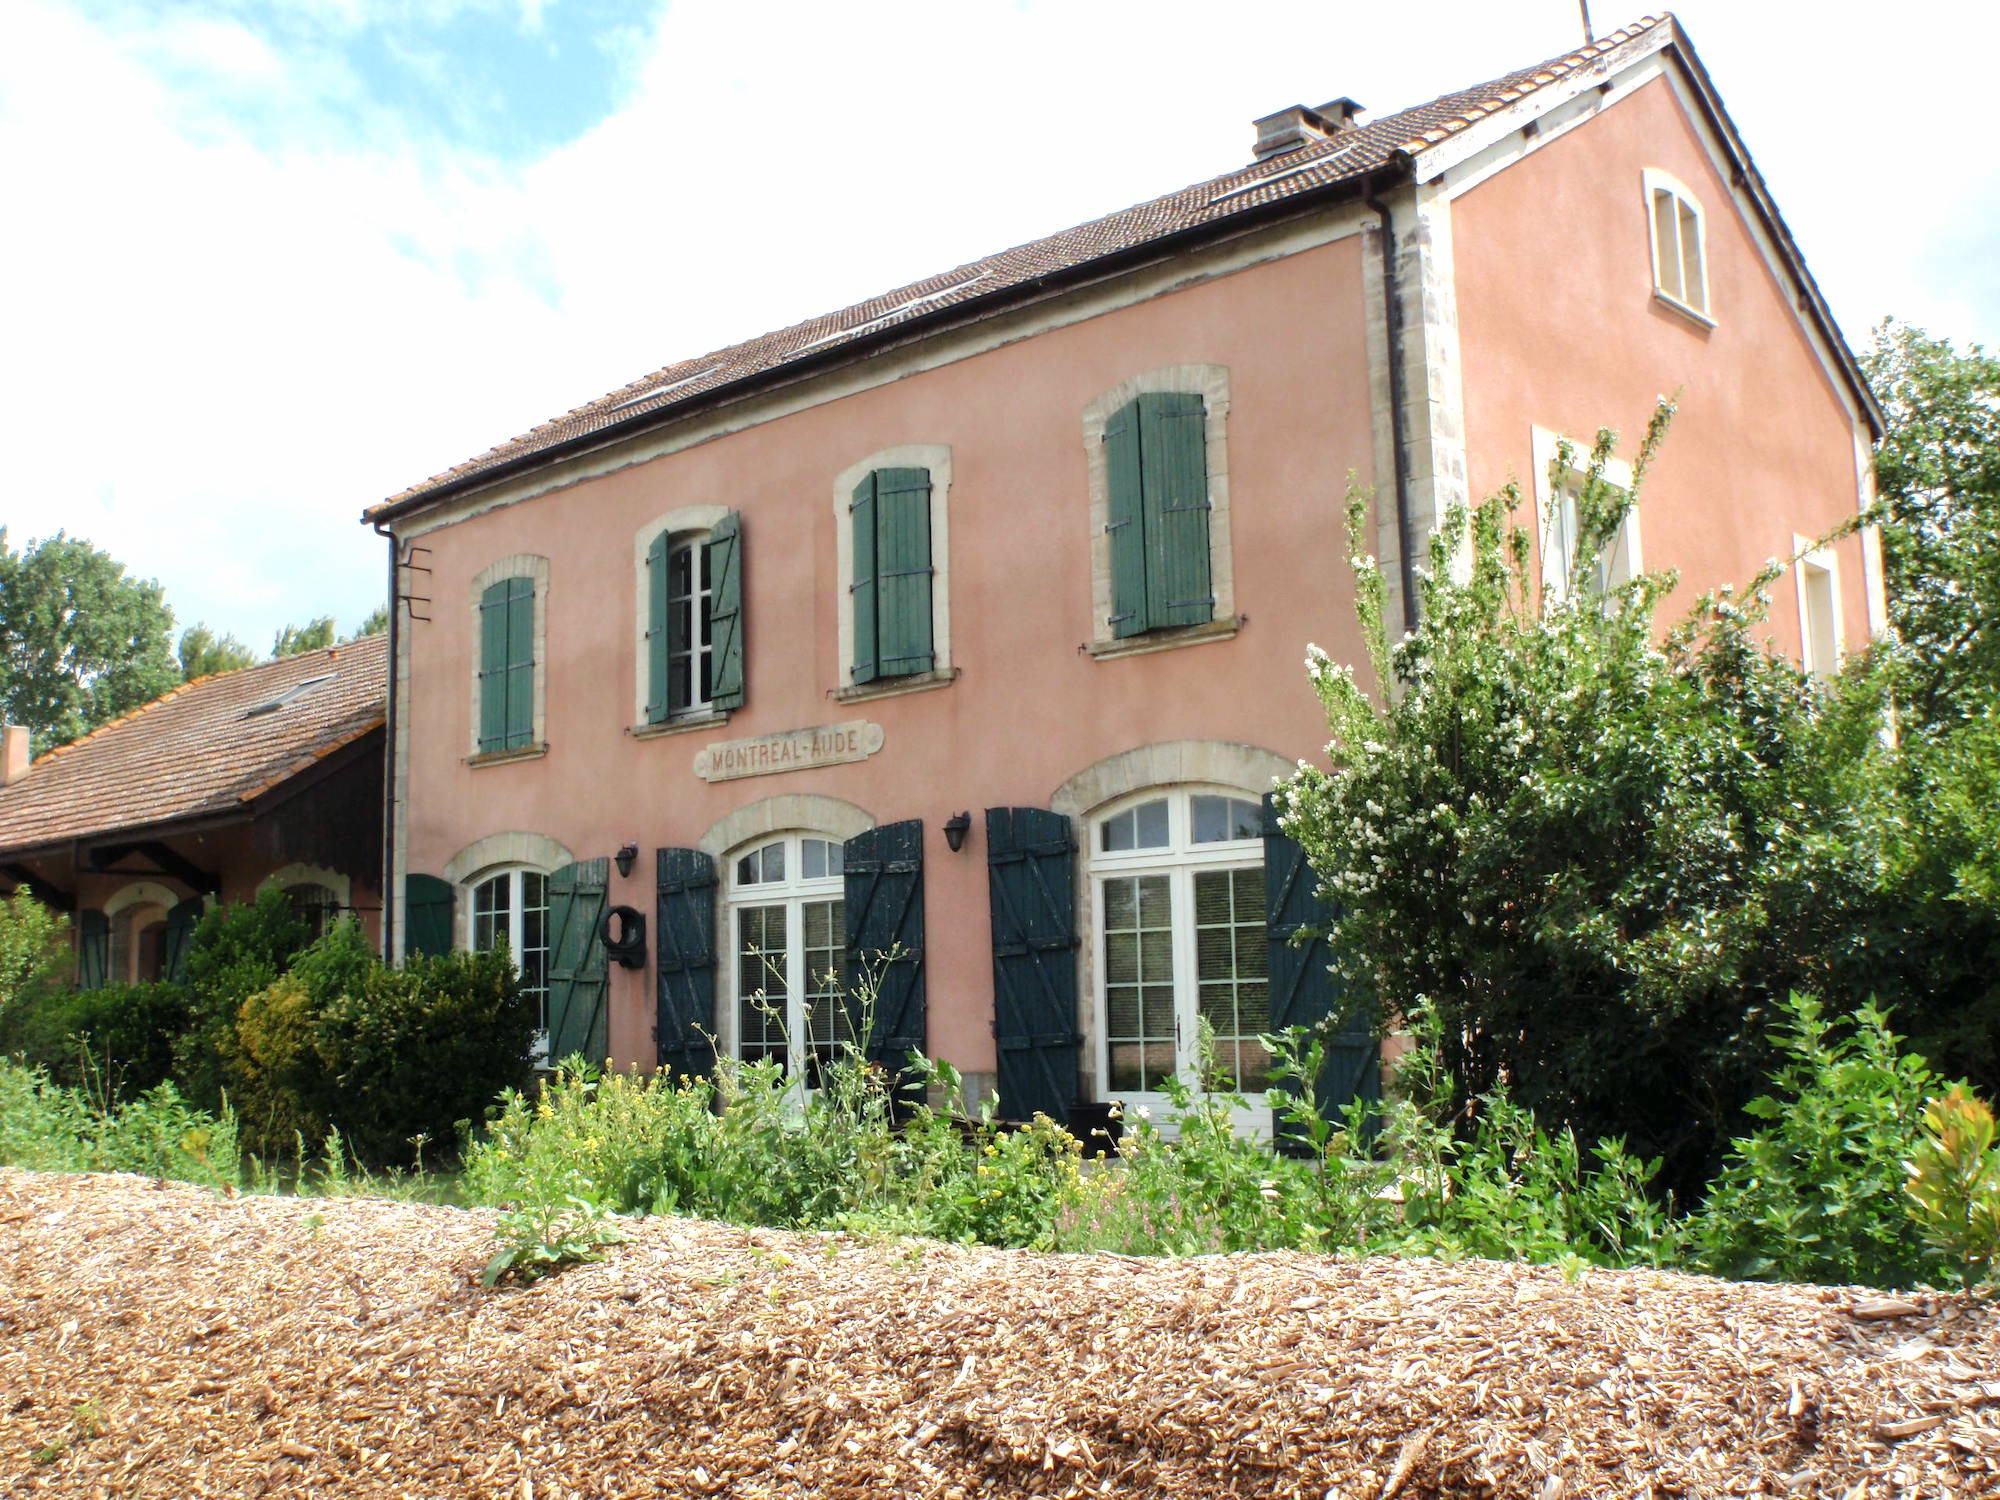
626 857
955 829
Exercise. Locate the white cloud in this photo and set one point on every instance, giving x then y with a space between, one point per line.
243 303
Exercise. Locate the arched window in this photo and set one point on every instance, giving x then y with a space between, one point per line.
316 905
1177 881
787 938
510 908
1680 244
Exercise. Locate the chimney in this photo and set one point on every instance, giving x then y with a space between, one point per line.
13 753
1290 129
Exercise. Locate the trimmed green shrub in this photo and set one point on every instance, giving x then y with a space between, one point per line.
118 1040
236 951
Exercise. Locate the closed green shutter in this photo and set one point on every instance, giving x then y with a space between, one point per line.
885 936
1173 444
902 572
1303 988
862 591
657 630
1031 888
685 1026
579 969
1125 523
507 665
181 923
427 912
725 611
93 950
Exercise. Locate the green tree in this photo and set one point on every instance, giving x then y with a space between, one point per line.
296 640
202 654
1601 855
1937 472
377 623
80 641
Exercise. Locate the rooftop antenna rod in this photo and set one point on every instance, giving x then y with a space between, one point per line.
1589 36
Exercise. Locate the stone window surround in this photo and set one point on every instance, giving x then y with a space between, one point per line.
532 566
687 522
1546 444
1211 383
936 457
485 857
1657 178
1170 766
1811 554
297 873
139 893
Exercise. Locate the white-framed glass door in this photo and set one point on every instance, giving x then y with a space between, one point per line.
512 907
787 928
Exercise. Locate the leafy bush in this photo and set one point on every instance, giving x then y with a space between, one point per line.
34 957
236 951
386 1056
1816 1193
119 1039
1955 1182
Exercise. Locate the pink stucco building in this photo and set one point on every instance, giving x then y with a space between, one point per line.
1042 541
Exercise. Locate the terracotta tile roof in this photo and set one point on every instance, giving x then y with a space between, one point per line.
200 750
1346 159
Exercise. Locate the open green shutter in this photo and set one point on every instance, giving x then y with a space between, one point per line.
493 667
1173 446
1303 989
903 572
862 512
520 663
579 968
1125 522
657 630
885 935
93 950
1031 888
427 904
685 1025
725 611
181 922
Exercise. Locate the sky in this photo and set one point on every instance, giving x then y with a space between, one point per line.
265 264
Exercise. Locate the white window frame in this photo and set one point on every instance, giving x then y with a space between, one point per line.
516 917
1814 563
1211 383
688 526
1555 515
1180 860
535 568
935 457
794 892
1692 301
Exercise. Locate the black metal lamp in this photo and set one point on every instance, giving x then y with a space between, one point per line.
955 829
626 858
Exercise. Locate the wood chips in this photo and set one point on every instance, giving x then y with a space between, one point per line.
157 1340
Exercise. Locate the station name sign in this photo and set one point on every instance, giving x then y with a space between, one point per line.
794 750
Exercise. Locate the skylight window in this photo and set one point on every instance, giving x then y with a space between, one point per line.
867 325
664 387
1297 169
296 691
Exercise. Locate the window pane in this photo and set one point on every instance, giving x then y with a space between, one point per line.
1152 824
489 907
828 1016
1666 243
762 988
1139 990
1117 833
1691 277
812 859
1231 968
774 862
1221 820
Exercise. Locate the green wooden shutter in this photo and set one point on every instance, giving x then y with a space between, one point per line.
1125 522
1173 446
862 511
181 923
427 913
685 919
93 950
579 969
520 663
1303 989
903 572
657 630
493 667
885 935
725 611
1031 888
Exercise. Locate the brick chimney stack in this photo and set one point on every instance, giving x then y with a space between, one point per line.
13 753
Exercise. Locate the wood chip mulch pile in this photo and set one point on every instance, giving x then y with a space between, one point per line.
158 1340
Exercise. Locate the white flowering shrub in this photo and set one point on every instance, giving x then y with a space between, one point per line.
1600 851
